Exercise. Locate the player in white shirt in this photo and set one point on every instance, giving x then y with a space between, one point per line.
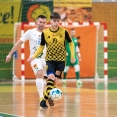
38 64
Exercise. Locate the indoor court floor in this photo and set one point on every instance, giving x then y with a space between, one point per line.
93 99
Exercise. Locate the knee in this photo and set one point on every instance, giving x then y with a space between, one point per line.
51 76
66 69
58 74
77 68
40 74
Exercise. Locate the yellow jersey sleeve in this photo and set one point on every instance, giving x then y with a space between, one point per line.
38 51
72 49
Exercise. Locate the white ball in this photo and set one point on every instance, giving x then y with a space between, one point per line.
55 94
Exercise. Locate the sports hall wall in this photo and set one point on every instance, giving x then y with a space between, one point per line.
101 12
107 12
12 11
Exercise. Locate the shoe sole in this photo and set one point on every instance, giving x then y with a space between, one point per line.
50 101
43 107
43 104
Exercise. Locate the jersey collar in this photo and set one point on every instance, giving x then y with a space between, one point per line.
54 31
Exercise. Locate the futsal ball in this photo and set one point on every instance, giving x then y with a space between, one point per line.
55 94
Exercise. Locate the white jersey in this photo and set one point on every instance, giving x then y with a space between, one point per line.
34 38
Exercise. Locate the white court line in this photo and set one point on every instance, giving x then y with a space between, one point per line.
9 114
101 113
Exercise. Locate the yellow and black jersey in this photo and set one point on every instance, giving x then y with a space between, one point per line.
55 43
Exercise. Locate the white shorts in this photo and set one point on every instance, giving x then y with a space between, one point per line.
38 64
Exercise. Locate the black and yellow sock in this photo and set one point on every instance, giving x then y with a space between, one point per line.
49 87
54 86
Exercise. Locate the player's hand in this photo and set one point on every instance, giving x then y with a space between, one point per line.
73 60
30 59
8 58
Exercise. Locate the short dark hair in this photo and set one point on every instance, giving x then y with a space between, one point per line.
41 16
72 29
55 15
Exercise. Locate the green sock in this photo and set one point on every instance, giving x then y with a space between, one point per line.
77 75
65 74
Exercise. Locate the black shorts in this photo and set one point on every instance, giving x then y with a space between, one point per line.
53 66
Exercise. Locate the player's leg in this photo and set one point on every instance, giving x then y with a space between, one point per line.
58 74
77 72
67 65
44 74
40 83
50 82
65 74
37 67
59 68
50 101
54 71
45 80
49 87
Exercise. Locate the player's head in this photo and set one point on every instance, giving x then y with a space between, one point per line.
72 32
54 19
41 22
55 15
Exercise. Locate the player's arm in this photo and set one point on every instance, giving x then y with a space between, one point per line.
24 38
70 43
14 48
40 48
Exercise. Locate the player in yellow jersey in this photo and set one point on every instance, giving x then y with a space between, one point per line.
54 38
